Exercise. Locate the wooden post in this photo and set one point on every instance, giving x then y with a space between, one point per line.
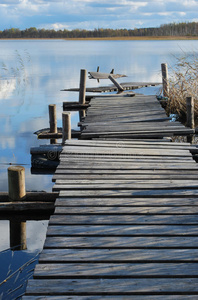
16 183
53 121
66 120
190 112
17 192
18 235
83 74
52 118
165 81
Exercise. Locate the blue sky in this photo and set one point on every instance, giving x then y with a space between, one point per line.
90 14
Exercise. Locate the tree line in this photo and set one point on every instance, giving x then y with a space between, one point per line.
172 29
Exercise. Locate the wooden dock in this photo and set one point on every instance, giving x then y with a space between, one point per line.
125 224
138 116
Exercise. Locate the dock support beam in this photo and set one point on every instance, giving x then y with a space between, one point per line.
83 74
66 120
165 81
17 192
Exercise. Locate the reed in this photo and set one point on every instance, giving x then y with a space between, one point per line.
15 73
183 83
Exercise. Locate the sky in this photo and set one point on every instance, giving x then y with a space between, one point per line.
91 14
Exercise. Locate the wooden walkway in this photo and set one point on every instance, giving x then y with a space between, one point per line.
129 117
126 220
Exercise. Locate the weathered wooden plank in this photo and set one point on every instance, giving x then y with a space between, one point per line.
99 75
109 219
117 161
23 206
94 178
113 286
122 230
122 151
113 270
136 134
129 242
131 186
117 255
126 166
62 169
126 135
143 119
126 202
128 184
131 297
131 128
127 159
128 144
128 210
127 193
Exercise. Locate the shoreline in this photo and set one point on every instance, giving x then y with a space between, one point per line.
124 38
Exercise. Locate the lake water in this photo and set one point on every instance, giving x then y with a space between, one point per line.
33 72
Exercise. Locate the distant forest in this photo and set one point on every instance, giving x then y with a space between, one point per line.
172 29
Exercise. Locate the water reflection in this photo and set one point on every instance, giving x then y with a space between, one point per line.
17 266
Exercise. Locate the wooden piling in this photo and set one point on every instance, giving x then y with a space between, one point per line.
190 117
165 81
52 118
83 74
16 183
190 112
66 121
53 121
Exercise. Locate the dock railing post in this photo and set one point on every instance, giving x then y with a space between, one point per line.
165 81
52 121
66 122
83 74
17 192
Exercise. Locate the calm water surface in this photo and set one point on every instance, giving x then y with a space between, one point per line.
33 72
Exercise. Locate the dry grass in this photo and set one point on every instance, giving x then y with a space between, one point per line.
183 82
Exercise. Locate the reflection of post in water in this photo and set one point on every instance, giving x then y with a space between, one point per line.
17 192
18 234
